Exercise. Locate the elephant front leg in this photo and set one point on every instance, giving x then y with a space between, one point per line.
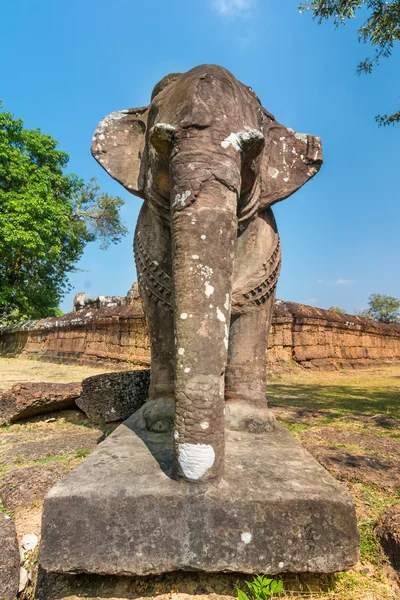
257 266
248 341
153 262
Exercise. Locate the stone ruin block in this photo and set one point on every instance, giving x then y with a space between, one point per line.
121 512
111 397
9 558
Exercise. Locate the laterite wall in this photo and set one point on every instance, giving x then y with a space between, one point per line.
310 336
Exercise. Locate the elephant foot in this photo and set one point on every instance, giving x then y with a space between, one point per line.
241 416
155 415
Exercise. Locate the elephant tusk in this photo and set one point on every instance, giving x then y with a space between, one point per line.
250 142
161 137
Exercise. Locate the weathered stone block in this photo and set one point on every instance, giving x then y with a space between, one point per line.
351 339
324 364
9 559
278 337
304 338
374 353
277 353
287 336
302 353
114 396
276 510
29 399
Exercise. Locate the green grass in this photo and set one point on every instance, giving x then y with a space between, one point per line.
294 427
66 457
339 400
5 511
346 399
378 503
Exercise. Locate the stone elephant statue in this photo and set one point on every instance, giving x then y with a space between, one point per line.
209 161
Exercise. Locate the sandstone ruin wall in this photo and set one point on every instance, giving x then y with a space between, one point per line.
117 334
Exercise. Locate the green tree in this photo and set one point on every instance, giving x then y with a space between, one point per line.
46 219
337 309
381 29
382 308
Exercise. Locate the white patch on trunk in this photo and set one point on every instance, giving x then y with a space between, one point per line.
183 316
204 270
187 370
226 338
180 199
226 305
195 256
181 351
204 424
220 315
209 289
195 459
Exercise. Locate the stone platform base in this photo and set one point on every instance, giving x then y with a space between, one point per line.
119 512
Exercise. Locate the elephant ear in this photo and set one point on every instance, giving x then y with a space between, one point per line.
118 146
289 160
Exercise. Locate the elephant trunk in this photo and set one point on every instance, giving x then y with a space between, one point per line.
203 234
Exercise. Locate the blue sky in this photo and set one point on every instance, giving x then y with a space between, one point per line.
65 65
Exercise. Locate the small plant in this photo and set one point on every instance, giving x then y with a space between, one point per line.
3 510
82 453
260 588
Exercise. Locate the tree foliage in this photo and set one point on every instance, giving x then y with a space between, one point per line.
46 219
382 308
337 309
381 29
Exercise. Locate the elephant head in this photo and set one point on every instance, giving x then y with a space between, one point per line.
206 157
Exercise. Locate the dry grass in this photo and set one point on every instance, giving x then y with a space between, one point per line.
15 370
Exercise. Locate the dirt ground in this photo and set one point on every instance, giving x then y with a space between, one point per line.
349 420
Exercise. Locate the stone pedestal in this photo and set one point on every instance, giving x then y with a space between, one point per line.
9 558
276 510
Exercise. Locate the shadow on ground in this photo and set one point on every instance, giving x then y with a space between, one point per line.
178 585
